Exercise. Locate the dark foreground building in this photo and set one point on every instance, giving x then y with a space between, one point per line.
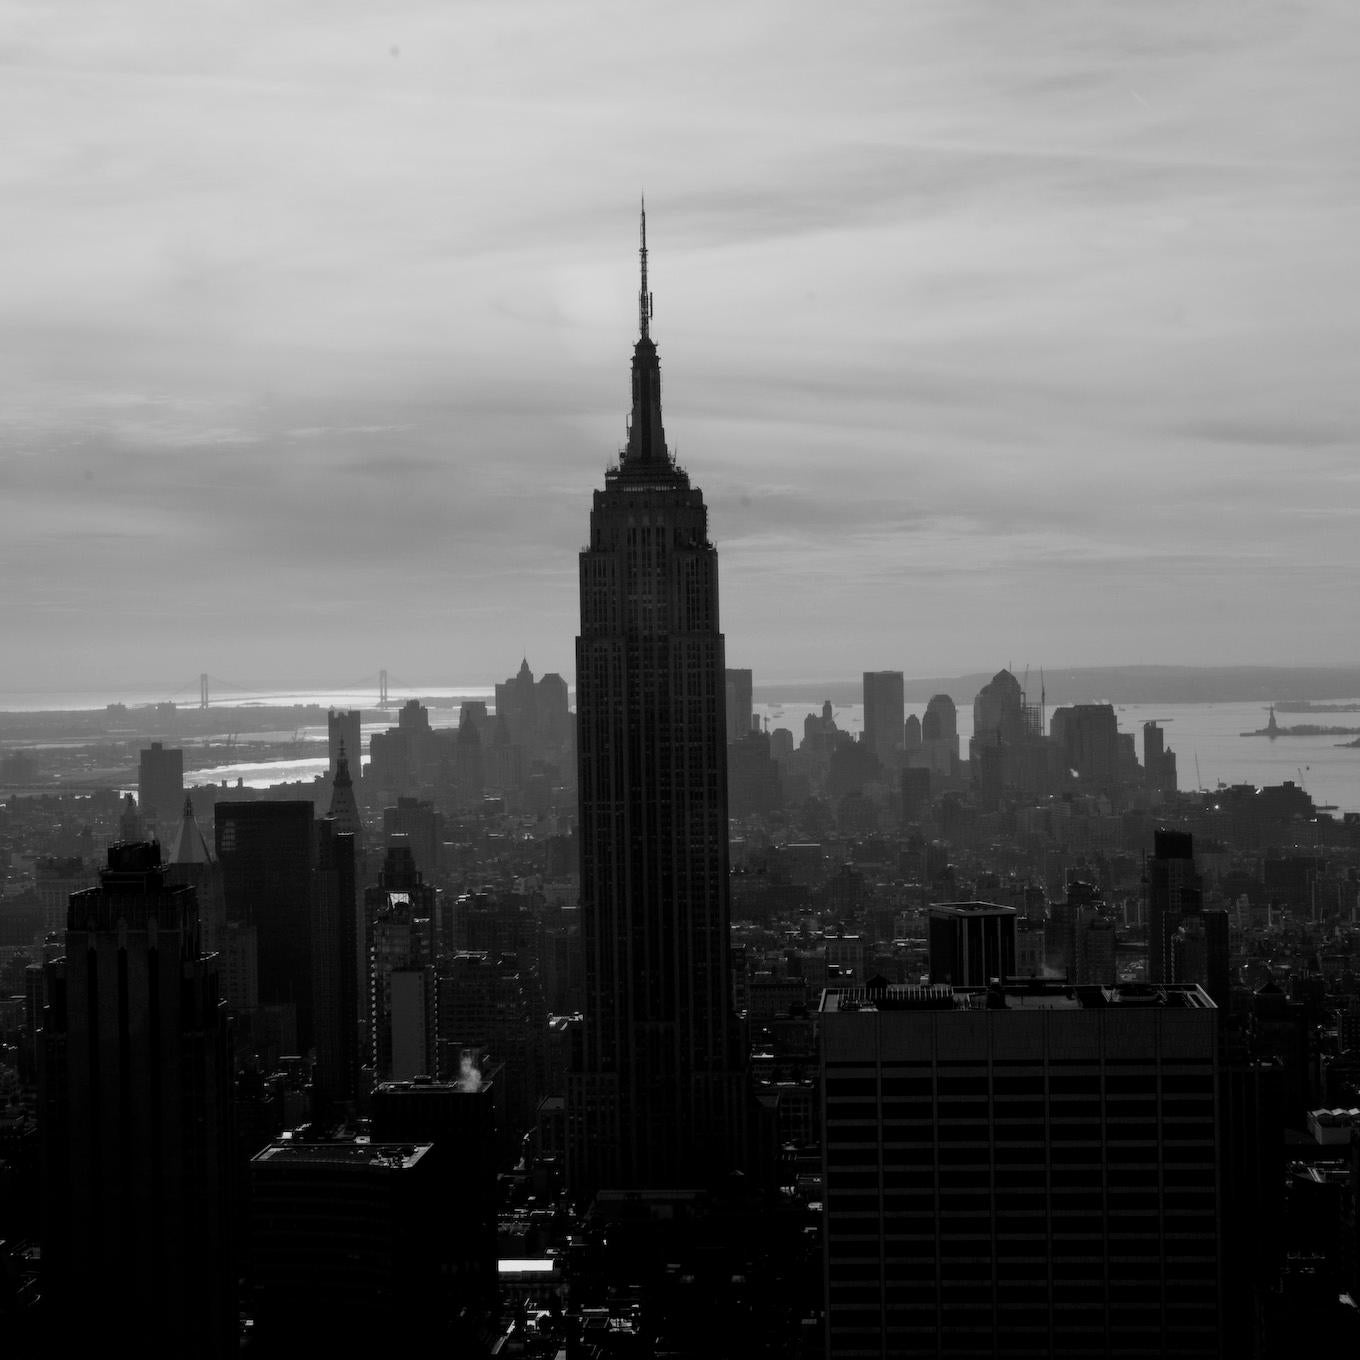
346 1245
134 1085
657 1100
1021 1171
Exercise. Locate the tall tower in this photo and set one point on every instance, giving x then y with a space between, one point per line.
885 716
1173 890
134 1086
658 1098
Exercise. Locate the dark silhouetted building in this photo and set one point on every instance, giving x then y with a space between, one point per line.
160 785
1173 886
737 688
192 862
939 750
885 716
1088 735
753 785
267 851
972 943
658 1098
344 733
345 1248
458 1119
1159 763
915 793
399 980
422 827
336 993
1029 1170
134 1091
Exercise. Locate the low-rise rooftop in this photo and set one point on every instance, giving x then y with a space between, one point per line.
1032 994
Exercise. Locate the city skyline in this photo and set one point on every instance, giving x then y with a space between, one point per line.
974 317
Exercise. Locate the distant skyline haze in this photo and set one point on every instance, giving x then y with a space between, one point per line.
991 333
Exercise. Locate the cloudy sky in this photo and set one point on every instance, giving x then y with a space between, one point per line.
993 331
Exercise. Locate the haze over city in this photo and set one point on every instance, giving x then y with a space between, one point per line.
990 332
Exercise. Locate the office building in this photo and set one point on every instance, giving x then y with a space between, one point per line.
134 1092
938 747
344 1248
911 733
399 924
191 862
1028 1170
422 829
533 718
267 851
335 966
1173 888
160 785
737 689
344 807
658 1099
972 943
493 1003
1088 736
915 785
344 734
1159 762
458 1119
885 723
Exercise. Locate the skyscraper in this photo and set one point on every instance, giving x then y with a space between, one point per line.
658 1097
739 712
135 1121
335 965
343 733
160 784
268 851
884 716
1173 887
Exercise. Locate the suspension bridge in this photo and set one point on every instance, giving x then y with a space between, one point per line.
212 689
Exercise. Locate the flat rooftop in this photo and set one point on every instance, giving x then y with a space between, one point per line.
378 1156
971 909
1032 994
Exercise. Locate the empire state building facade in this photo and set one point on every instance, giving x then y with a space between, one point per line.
658 1097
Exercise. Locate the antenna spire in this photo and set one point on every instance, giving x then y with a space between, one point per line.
644 297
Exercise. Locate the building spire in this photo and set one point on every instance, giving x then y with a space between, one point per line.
646 438
644 297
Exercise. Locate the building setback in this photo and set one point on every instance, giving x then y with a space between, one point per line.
1021 1171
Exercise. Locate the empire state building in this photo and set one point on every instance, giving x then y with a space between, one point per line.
657 1099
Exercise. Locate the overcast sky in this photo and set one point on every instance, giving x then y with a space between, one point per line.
992 332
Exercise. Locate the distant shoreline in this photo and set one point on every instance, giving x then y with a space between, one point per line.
1297 689
1108 684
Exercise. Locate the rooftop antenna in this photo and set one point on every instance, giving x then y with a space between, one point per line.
644 296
